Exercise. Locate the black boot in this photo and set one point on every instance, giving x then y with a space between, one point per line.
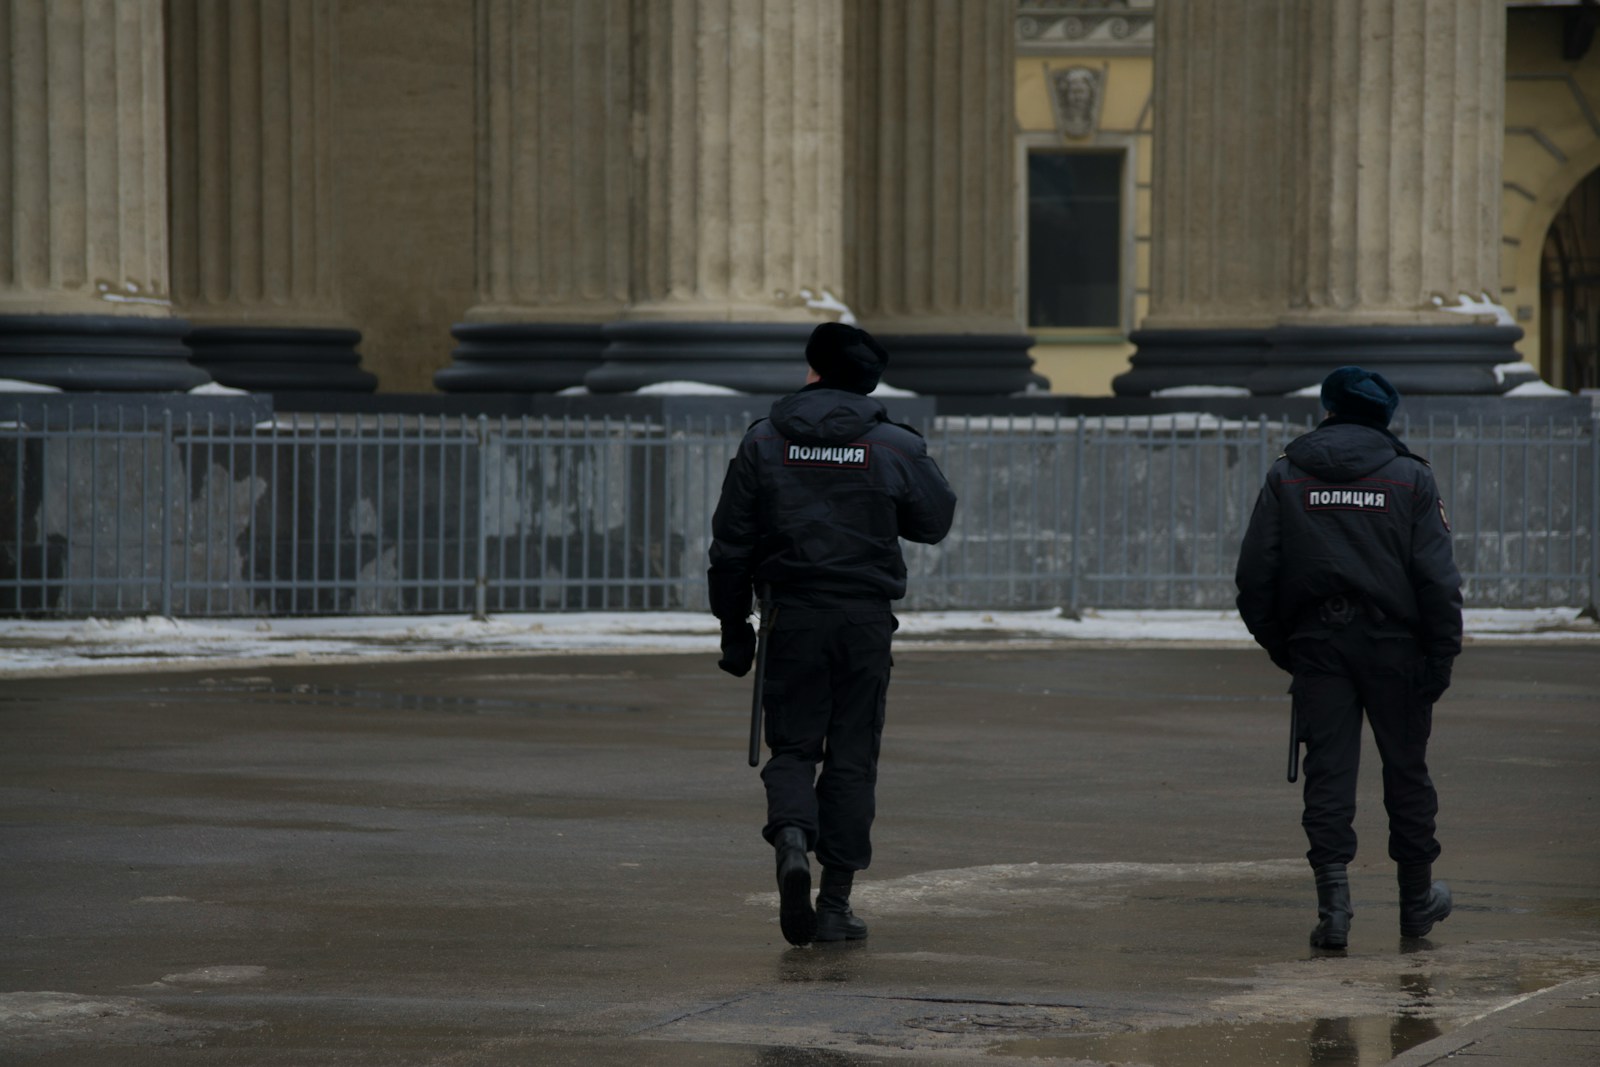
1333 907
835 920
795 916
1423 901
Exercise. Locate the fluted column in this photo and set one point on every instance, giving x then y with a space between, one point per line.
254 239
1327 178
1225 160
84 300
555 173
1398 200
932 237
739 194
742 185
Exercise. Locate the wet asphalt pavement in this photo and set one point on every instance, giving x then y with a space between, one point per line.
1083 855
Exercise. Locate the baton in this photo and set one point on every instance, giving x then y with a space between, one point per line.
1294 742
769 615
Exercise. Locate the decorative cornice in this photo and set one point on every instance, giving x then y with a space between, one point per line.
1078 26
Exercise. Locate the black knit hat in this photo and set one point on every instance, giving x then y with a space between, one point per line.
1363 395
846 357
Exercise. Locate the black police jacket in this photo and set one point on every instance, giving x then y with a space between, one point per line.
1348 510
816 500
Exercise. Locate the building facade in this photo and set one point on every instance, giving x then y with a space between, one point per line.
532 195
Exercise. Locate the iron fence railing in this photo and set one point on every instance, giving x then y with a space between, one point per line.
154 513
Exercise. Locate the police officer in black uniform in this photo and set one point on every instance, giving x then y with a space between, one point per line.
1347 579
812 510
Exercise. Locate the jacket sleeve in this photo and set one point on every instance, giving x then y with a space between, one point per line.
734 536
1434 577
1260 562
926 509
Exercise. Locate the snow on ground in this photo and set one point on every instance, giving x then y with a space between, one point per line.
101 645
1202 390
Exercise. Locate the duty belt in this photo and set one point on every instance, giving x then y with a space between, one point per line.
1337 611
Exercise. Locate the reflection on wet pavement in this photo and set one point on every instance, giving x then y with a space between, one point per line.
1359 1042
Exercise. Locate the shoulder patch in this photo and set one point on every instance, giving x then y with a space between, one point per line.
1335 498
856 456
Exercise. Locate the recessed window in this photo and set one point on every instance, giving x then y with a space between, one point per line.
1074 239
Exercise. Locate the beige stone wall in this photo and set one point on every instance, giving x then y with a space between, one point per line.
404 160
1552 143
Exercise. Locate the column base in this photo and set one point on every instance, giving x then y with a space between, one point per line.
265 359
1418 360
752 357
520 357
98 353
961 364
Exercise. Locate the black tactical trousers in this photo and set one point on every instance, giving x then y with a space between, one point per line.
1338 672
827 676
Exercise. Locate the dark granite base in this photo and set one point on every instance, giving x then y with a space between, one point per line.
961 364
1418 360
265 359
752 357
520 357
83 353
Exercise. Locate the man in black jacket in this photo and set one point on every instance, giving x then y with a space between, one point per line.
812 510
1347 579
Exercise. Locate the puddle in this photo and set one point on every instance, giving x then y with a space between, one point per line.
1364 1041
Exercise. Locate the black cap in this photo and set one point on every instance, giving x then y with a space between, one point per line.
1363 395
846 357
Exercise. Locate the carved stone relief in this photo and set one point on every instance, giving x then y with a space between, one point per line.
1075 95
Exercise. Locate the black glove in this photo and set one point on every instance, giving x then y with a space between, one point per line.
738 647
1280 657
1435 680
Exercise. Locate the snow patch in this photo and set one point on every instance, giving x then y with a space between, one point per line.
75 646
1536 388
1202 390
217 975
826 301
1517 371
1483 304
681 388
974 891
217 389
13 385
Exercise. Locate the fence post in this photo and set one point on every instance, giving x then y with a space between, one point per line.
1074 608
167 445
1592 610
480 611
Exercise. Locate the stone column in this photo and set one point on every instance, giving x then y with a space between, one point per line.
739 192
84 298
932 238
1397 205
1222 191
1327 172
554 188
254 241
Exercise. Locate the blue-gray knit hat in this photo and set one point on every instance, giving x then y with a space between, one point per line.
1353 393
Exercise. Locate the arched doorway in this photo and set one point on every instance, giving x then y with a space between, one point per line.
1569 291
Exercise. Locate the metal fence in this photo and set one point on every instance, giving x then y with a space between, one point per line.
112 514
